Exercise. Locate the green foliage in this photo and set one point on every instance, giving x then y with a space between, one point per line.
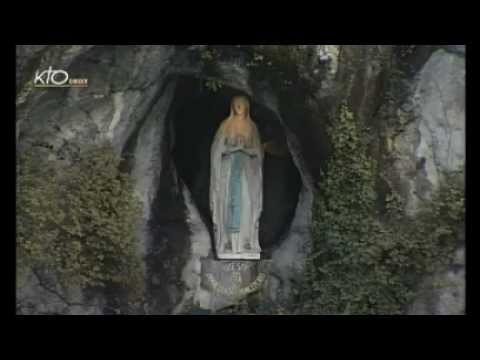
406 50
209 54
213 85
78 222
278 64
360 265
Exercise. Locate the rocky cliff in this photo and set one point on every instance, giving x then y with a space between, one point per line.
159 107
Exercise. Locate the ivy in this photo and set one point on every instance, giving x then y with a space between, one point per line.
281 65
78 222
360 265
278 64
209 54
213 85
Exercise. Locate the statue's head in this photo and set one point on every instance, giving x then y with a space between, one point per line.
239 125
240 106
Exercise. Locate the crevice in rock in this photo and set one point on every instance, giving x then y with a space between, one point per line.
170 243
130 145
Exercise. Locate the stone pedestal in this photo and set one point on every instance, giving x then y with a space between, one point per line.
227 282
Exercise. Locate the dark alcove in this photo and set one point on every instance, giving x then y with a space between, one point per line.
194 117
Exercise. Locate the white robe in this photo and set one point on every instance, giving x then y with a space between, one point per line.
236 230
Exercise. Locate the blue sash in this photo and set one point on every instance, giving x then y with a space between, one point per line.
235 192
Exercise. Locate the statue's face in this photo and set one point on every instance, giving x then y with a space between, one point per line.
239 107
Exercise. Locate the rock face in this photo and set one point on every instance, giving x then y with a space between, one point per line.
433 145
151 103
444 292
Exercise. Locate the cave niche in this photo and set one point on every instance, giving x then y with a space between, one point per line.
194 117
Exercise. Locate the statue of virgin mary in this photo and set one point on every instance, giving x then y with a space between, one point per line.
236 184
